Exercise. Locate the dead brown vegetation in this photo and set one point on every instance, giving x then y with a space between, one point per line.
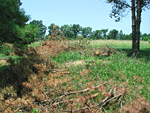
35 82
104 51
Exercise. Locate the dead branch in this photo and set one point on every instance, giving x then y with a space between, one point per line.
59 70
123 96
108 100
82 91
71 100
93 106
114 91
109 95
109 69
111 49
75 81
75 92
121 104
102 103
57 103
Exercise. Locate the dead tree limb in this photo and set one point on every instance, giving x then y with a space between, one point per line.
82 91
109 69
111 49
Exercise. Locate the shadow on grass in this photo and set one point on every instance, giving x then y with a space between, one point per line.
16 73
8 77
143 54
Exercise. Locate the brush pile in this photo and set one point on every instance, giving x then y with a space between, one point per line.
34 82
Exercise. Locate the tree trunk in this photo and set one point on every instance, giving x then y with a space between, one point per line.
138 22
134 45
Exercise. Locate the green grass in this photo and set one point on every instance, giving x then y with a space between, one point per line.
123 67
68 56
119 44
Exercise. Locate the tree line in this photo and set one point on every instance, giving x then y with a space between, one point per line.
75 30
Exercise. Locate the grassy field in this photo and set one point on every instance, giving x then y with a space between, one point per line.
119 44
123 66
86 70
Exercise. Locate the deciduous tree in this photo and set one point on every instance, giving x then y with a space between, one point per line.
76 28
86 31
113 34
136 6
66 29
52 27
97 34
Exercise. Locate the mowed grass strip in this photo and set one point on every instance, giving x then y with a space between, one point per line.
119 44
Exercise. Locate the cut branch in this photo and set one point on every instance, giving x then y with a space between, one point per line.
111 49
82 91
109 69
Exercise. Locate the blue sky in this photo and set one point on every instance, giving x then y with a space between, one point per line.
87 13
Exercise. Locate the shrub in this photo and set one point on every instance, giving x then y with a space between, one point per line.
24 81
146 38
6 49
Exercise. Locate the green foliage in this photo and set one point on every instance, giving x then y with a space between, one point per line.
118 9
35 44
144 35
52 28
13 25
35 110
86 32
42 28
76 28
27 35
69 31
31 33
122 36
74 31
113 34
97 34
136 6
6 50
12 17
146 38
66 29
100 34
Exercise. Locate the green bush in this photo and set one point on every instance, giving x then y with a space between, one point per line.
26 35
5 49
146 38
